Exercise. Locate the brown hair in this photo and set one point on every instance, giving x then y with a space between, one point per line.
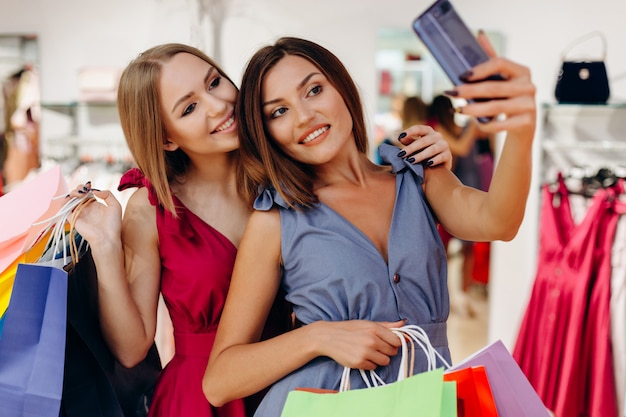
441 110
139 107
414 112
263 160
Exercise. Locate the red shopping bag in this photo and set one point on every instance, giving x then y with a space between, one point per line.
474 395
513 394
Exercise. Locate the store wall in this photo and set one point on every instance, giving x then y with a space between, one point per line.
76 33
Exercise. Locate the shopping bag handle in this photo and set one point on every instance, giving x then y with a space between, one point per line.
409 335
58 240
576 42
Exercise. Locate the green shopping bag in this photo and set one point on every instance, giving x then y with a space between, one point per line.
425 394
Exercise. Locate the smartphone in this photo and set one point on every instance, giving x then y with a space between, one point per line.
450 41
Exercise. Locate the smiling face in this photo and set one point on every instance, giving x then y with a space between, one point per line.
197 105
304 113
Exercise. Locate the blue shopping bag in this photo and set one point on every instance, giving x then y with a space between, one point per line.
32 346
2 323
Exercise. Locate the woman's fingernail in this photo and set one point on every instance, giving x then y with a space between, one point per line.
401 154
81 192
402 135
411 160
95 189
452 93
429 162
88 182
466 75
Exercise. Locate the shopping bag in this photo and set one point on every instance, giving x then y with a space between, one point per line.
92 374
2 323
420 395
24 211
474 395
512 392
425 394
32 346
8 276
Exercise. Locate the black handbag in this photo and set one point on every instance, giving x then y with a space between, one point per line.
583 81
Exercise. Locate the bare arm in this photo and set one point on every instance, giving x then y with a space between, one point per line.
497 214
461 143
240 365
126 257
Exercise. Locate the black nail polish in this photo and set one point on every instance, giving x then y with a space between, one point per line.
402 135
95 189
466 75
81 192
452 93
401 154
411 160
429 162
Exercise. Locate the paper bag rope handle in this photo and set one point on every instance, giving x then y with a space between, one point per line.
409 335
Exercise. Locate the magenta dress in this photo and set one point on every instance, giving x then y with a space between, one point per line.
197 263
563 345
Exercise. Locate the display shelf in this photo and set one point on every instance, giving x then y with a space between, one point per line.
565 107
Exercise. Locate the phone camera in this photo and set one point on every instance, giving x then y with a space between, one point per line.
444 8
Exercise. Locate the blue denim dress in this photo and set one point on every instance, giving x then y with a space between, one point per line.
332 271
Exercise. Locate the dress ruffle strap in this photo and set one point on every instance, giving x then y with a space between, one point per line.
389 154
267 198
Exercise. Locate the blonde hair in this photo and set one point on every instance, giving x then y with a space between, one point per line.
139 107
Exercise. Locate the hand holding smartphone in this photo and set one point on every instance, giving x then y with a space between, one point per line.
450 41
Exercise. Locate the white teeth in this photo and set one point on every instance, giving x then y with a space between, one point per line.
228 123
315 134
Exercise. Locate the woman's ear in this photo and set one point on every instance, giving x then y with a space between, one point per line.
170 146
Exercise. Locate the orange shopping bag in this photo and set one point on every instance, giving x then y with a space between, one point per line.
474 396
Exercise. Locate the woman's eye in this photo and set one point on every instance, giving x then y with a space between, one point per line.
189 109
216 81
278 112
315 90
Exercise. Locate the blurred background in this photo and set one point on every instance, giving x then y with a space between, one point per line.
71 51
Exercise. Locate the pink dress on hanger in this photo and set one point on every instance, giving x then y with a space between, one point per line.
551 340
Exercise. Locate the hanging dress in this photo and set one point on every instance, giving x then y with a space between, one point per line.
549 347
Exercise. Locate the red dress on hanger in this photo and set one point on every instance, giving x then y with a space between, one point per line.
550 345
600 397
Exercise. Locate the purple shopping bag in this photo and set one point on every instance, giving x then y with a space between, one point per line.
512 392
32 346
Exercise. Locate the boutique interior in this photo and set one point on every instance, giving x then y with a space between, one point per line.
60 63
